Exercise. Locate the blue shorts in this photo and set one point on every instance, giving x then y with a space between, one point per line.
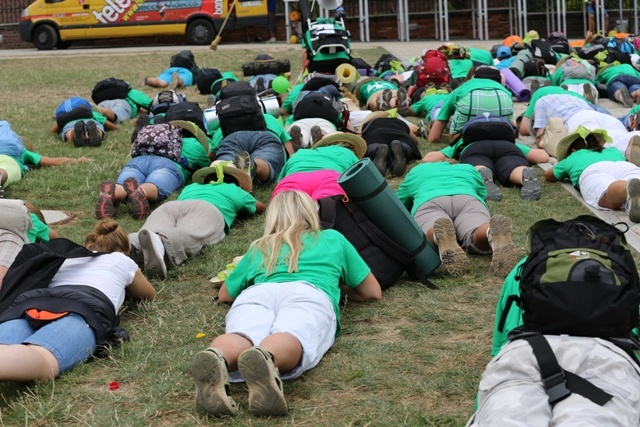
69 126
121 108
263 145
69 339
159 171
590 10
185 75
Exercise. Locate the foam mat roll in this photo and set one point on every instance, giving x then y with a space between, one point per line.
348 75
515 85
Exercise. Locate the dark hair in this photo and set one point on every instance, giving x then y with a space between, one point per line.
34 210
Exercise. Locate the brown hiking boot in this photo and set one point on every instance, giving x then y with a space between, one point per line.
453 258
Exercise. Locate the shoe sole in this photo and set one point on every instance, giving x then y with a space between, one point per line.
154 266
634 150
316 134
265 396
403 101
493 192
138 203
296 137
212 398
531 189
94 139
104 205
78 134
453 258
588 93
380 160
625 98
385 100
633 200
398 160
504 252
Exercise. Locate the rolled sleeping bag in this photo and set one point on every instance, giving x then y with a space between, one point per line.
516 86
364 185
517 66
348 75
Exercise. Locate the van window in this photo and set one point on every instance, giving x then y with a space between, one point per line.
53 1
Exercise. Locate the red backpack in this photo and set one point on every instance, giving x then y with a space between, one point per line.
433 69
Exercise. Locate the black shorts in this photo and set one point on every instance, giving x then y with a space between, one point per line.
502 157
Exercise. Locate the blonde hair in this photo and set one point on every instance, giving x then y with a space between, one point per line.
107 236
290 215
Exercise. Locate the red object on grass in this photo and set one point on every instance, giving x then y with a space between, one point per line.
114 385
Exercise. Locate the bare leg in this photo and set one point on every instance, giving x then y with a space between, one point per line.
230 346
516 175
286 350
155 82
262 170
150 191
3 272
615 196
27 363
480 239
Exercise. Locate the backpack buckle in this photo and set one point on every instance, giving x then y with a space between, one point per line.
556 387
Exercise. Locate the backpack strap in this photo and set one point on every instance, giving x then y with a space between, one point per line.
327 212
557 382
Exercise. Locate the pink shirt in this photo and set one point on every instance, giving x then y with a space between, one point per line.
317 184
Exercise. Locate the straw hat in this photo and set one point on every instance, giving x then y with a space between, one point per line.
227 168
350 140
562 151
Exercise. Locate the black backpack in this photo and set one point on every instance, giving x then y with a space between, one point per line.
541 48
205 79
386 259
164 100
535 68
239 113
485 127
110 88
238 88
184 59
318 105
77 113
384 63
559 43
188 111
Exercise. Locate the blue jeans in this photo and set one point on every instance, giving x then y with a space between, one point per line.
159 171
263 145
69 339
632 83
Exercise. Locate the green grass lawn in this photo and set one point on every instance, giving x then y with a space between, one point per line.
413 359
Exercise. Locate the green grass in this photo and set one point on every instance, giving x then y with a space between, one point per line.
413 359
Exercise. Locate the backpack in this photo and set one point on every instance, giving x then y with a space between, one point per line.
559 43
163 140
386 258
269 66
205 79
384 63
590 52
318 105
237 88
73 109
327 44
487 127
110 88
188 111
434 68
184 59
163 100
621 44
240 113
10 142
535 68
574 69
541 48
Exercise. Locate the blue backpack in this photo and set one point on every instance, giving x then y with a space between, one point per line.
10 142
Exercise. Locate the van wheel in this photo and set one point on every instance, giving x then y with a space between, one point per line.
64 44
45 37
200 32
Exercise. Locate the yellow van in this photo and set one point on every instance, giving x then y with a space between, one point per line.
56 23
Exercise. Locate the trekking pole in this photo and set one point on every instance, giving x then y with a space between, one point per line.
214 44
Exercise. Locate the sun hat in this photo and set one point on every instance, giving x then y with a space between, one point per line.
194 130
352 141
503 52
219 169
562 151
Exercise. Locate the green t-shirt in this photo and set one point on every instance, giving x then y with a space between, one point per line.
228 198
331 157
138 99
427 103
605 75
287 104
196 157
327 259
514 318
548 90
576 162
450 150
273 125
366 90
482 56
27 158
460 68
427 181
39 231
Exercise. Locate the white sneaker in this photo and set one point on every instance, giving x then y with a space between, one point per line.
153 251
633 200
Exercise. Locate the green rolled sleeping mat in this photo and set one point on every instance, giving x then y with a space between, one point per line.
517 66
368 189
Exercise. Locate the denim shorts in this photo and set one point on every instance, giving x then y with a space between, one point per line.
121 108
159 171
185 75
70 125
69 339
263 145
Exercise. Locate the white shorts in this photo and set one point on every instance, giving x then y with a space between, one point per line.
298 308
305 126
595 179
595 120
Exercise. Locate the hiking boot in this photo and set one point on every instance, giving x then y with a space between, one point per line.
398 160
263 380
243 161
78 134
106 200
380 160
153 253
260 85
175 81
493 192
316 134
138 203
423 129
453 258
504 252
633 200
94 139
633 150
385 100
403 101
209 371
589 94
531 189
296 137
624 98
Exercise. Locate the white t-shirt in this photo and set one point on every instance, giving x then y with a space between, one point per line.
109 273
